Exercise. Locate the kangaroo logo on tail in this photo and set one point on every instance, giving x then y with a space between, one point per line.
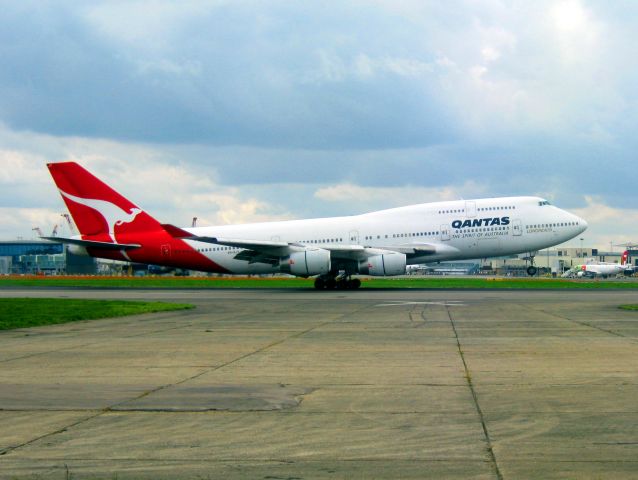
113 215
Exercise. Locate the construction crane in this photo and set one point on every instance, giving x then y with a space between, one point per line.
38 231
67 217
54 232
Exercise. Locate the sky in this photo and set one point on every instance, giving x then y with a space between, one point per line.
240 111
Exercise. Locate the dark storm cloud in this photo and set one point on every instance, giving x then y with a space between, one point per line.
225 76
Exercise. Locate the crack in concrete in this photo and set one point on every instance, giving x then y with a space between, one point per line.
11 448
479 411
585 324
109 409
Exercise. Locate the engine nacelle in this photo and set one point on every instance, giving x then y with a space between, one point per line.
309 262
386 264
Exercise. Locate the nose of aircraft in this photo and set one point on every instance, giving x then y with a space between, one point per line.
583 224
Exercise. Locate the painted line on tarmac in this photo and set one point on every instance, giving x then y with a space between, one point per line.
400 303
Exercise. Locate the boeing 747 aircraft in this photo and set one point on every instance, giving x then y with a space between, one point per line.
331 249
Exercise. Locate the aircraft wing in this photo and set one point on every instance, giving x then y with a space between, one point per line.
269 251
359 252
264 246
259 245
422 249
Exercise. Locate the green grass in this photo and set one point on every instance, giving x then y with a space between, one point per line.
255 282
629 307
495 283
33 312
154 282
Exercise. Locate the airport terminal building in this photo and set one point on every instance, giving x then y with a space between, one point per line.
556 260
37 257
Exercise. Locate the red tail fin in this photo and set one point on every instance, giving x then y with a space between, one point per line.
98 211
624 258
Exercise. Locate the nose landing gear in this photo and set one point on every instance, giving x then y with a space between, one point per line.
531 270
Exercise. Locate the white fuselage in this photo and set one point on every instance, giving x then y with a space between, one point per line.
454 230
602 269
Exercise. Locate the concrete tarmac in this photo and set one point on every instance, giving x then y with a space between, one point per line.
305 384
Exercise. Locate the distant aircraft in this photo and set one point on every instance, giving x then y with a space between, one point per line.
417 268
602 269
332 249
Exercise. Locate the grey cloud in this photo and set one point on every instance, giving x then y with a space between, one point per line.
225 77
281 98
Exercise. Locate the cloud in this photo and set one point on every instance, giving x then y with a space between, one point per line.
400 75
24 220
169 189
191 74
609 225
225 209
386 197
245 110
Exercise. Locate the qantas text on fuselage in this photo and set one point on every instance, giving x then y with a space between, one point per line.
332 249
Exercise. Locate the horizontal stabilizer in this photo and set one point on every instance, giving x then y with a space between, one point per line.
93 243
177 232
180 233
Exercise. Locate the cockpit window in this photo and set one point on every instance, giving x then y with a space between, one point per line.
543 202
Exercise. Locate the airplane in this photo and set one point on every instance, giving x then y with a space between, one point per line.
603 269
380 243
417 268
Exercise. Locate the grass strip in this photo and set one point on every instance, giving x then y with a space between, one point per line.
33 312
628 307
154 282
277 282
497 283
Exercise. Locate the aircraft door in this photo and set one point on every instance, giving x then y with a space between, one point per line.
445 232
517 228
166 250
470 209
353 237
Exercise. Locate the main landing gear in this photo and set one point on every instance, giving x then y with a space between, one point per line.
343 282
531 270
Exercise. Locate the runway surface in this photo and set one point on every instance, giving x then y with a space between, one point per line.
305 384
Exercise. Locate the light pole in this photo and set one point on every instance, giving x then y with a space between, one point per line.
581 247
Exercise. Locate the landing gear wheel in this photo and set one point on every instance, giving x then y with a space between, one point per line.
320 283
354 284
532 270
331 283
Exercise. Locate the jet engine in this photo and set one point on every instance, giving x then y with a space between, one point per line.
77 250
392 263
309 262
